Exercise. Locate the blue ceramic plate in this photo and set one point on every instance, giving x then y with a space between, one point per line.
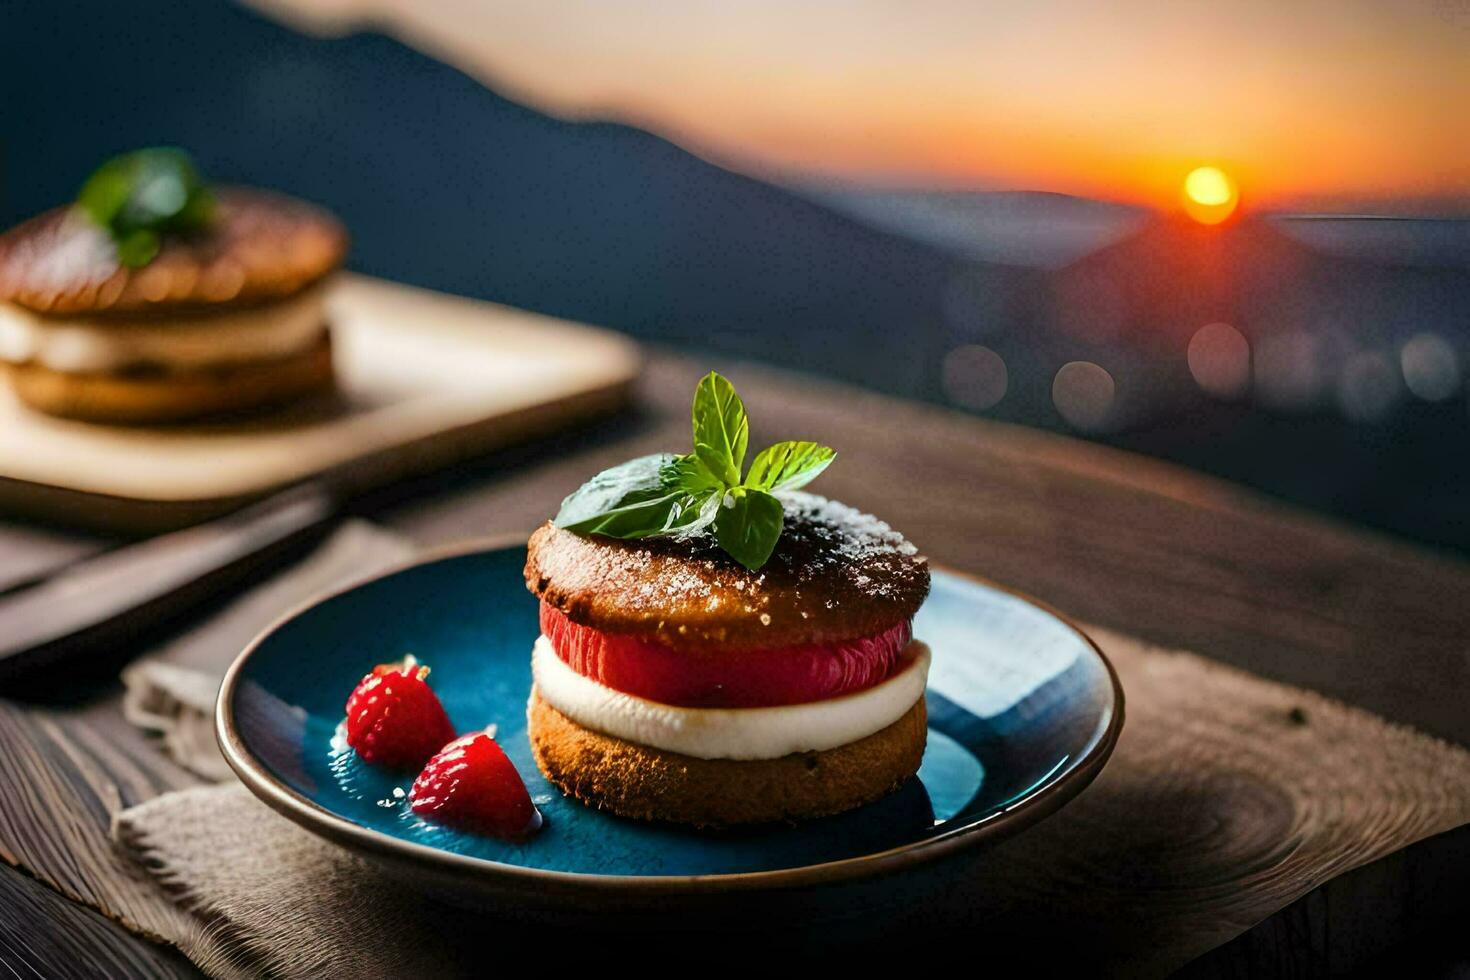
1023 712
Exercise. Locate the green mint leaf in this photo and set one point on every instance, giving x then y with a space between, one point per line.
628 500
139 196
788 465
637 515
105 194
682 496
695 513
137 248
721 430
748 526
690 474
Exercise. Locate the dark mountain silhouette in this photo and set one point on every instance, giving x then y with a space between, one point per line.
1156 287
1039 229
448 185
1326 330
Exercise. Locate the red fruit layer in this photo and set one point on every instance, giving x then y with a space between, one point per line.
762 678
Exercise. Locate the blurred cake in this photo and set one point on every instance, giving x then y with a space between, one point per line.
157 299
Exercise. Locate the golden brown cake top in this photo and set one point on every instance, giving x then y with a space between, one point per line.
836 574
260 246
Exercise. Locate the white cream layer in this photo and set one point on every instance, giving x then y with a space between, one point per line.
81 344
729 733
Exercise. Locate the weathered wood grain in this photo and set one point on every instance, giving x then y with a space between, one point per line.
48 937
1227 799
66 774
1402 916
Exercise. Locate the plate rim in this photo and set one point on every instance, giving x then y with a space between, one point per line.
323 822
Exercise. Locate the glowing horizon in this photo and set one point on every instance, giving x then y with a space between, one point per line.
1319 100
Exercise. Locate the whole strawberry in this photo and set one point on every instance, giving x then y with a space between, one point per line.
472 785
394 718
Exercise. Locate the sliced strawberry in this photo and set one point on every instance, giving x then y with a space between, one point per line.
472 785
753 679
394 718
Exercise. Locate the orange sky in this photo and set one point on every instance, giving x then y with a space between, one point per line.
1303 101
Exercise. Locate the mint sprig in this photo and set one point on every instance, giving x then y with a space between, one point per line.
138 197
682 496
721 430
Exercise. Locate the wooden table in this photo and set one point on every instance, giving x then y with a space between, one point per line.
1115 540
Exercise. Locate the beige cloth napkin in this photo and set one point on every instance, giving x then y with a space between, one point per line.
1228 797
277 901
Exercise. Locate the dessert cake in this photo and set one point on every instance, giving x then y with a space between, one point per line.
157 299
674 682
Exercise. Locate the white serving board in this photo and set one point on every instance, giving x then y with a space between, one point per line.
425 378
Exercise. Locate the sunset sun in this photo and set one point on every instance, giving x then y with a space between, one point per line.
1209 195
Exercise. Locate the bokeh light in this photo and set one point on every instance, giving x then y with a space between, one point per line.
1431 367
1084 393
1209 195
1220 360
974 376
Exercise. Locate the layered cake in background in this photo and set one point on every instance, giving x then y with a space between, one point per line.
155 298
720 649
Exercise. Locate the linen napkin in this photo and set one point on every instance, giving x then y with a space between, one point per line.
277 901
1205 747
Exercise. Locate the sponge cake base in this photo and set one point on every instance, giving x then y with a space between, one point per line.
174 396
644 783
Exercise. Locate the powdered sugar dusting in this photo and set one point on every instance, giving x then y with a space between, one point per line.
848 530
838 542
684 583
73 252
834 568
